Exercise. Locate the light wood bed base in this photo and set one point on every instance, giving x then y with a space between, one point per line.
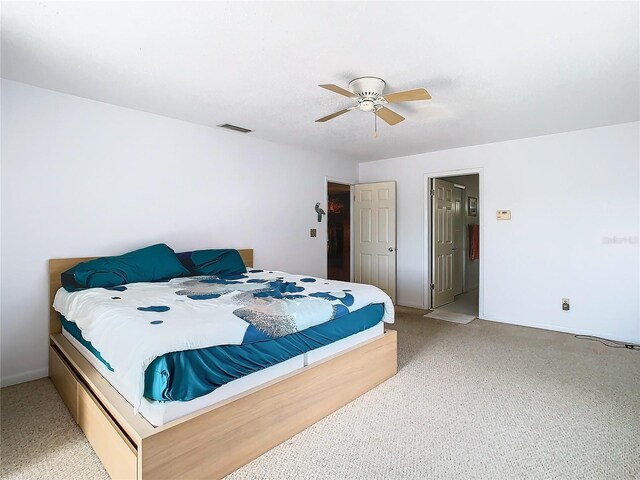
216 440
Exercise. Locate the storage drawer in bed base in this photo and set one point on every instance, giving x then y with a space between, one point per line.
65 381
115 450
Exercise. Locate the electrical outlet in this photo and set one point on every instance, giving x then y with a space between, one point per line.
312 232
565 304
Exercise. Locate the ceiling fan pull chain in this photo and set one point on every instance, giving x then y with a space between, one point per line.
375 124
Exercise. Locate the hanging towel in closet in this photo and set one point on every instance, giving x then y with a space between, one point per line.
474 242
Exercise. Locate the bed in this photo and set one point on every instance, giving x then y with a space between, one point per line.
219 431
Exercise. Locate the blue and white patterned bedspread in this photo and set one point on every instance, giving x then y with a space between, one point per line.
134 324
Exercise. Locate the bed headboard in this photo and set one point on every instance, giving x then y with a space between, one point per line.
59 265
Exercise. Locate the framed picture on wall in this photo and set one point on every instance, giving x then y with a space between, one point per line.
473 206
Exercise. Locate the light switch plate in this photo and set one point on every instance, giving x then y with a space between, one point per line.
312 232
503 214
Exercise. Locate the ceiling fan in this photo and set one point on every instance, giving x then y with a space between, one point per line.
368 92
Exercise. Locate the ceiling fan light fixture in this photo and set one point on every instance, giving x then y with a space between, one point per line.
367 105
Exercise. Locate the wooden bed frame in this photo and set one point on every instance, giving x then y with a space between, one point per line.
216 440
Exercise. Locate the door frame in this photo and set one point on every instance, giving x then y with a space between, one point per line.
352 184
428 247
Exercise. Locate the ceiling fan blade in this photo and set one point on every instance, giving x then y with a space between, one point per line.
389 116
334 115
408 96
337 89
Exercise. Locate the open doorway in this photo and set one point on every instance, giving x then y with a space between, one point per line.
338 231
455 243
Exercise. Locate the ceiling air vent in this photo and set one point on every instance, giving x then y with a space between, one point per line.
235 128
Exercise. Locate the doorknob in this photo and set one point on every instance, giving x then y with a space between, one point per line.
454 248
391 249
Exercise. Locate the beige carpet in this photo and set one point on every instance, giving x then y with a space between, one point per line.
483 400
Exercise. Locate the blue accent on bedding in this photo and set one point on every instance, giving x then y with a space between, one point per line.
75 332
150 264
183 376
214 262
155 308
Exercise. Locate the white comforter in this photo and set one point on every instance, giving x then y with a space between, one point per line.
132 327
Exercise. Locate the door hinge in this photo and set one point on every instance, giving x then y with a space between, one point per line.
433 193
433 287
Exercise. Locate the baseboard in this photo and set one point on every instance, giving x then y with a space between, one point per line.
573 331
24 377
410 305
554 328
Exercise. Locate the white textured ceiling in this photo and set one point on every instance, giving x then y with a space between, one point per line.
496 70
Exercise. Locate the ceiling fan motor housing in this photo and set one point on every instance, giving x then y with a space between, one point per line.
369 91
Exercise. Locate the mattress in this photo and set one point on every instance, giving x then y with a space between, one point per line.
189 374
160 413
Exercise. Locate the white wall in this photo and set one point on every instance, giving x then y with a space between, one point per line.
568 193
83 178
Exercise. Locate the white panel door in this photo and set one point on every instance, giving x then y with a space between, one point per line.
442 273
375 236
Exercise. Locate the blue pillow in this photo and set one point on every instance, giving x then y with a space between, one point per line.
150 264
216 262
